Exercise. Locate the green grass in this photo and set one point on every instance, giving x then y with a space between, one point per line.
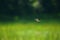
30 31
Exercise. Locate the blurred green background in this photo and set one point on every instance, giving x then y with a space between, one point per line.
17 19
29 9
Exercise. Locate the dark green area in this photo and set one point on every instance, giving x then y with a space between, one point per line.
11 10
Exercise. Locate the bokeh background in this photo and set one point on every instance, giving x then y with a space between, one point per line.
29 9
17 19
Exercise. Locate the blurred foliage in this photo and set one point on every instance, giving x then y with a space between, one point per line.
29 9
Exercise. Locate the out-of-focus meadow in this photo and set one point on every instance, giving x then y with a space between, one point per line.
30 30
17 19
